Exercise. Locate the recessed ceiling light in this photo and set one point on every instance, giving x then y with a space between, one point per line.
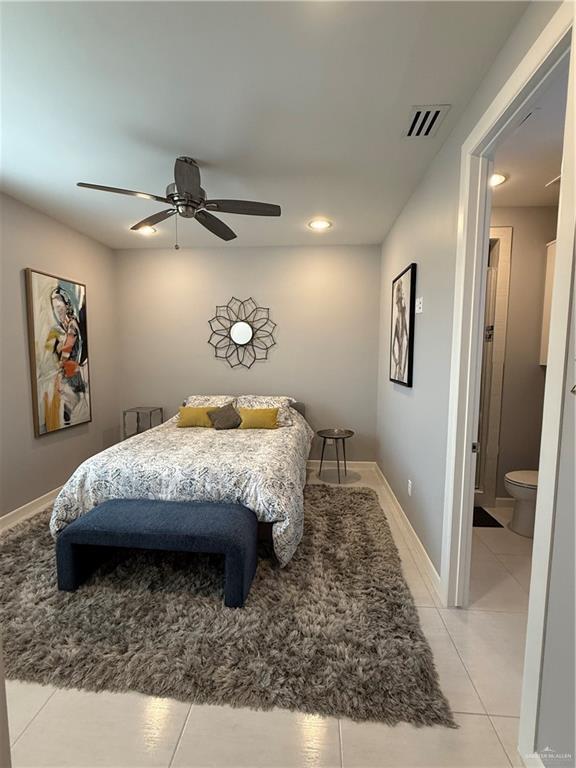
319 224
497 178
146 231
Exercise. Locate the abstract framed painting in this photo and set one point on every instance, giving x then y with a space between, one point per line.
58 347
402 326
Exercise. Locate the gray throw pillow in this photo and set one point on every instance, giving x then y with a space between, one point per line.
226 417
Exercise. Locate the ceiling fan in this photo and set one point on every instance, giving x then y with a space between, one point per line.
186 198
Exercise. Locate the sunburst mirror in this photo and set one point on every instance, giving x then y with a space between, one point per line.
242 332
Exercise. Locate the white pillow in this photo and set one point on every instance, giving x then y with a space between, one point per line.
205 401
282 402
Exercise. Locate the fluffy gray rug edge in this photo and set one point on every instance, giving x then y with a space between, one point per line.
335 633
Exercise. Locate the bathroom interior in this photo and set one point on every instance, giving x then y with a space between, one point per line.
525 195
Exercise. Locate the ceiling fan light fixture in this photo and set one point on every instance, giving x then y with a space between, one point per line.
319 224
187 198
497 178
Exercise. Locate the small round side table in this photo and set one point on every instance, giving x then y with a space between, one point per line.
336 435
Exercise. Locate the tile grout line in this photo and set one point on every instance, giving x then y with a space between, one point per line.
495 610
29 723
489 714
499 739
179 739
496 557
480 699
489 548
503 564
484 712
340 743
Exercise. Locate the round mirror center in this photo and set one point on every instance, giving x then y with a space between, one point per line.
241 332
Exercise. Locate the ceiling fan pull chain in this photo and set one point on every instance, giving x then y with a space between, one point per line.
176 246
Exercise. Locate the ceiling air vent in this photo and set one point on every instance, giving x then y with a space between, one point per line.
425 120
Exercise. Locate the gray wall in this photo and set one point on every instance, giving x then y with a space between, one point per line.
323 299
412 424
556 713
524 377
412 421
33 466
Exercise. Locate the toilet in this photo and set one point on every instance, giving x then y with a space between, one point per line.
522 485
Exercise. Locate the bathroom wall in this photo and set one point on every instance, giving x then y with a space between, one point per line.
324 300
33 466
524 377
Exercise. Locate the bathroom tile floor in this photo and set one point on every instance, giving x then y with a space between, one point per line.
478 656
501 560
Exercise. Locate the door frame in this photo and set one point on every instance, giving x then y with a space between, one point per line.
501 118
504 235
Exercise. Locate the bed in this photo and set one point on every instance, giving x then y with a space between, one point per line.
263 469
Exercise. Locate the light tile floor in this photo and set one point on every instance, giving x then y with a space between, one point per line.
478 655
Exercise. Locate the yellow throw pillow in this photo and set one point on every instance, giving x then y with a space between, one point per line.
195 417
258 418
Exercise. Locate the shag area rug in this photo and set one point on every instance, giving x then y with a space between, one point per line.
334 633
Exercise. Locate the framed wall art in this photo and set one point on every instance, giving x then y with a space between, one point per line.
58 346
402 326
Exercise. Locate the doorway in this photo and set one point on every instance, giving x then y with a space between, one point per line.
519 274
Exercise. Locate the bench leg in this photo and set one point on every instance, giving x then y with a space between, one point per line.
75 563
239 571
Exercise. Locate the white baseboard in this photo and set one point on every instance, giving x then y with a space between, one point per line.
28 510
504 501
423 562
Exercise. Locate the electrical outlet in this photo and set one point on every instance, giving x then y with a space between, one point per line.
409 487
419 305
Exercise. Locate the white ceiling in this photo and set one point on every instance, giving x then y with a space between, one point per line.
302 104
532 155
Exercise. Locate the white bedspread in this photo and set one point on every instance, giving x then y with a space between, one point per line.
263 469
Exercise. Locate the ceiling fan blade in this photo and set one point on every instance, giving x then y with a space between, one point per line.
243 206
187 177
118 191
154 219
215 226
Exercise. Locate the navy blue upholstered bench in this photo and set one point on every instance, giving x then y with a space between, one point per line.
227 529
